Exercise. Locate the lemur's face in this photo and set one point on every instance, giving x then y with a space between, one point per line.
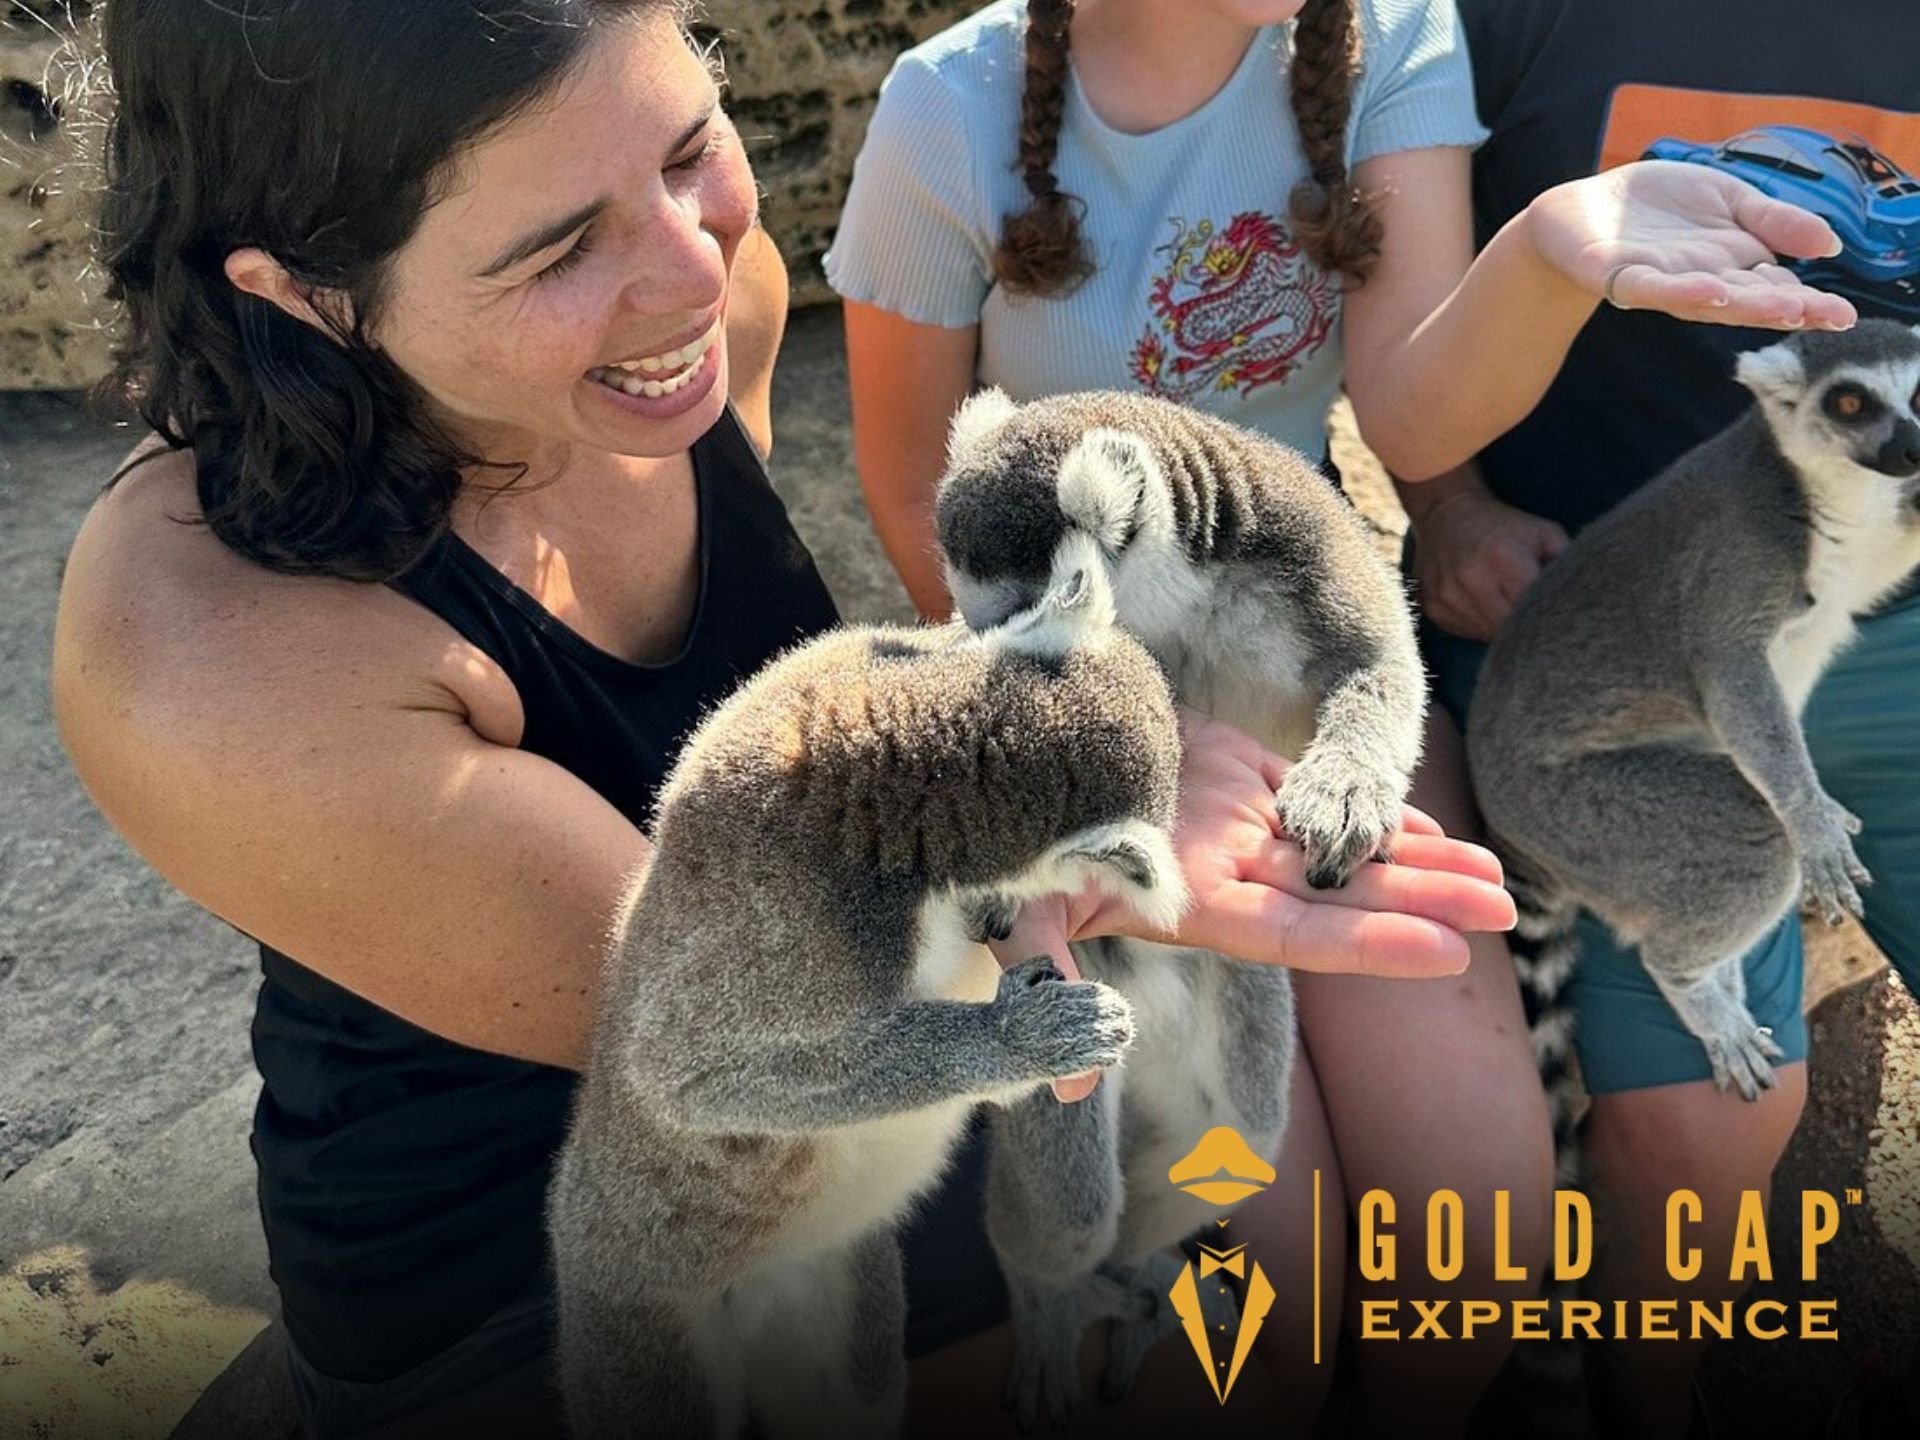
1027 500
1876 424
1853 397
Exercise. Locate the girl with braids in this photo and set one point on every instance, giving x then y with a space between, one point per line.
1246 205
452 524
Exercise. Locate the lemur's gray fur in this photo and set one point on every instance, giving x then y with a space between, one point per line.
798 1015
1635 740
1258 589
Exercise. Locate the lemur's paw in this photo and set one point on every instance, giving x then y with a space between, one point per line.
1130 1342
1742 1059
1832 881
1831 873
990 917
1046 1372
1340 813
1061 1029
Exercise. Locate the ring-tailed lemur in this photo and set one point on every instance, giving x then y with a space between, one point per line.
1258 589
1635 740
798 1014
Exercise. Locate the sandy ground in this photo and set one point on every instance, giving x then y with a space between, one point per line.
131 1264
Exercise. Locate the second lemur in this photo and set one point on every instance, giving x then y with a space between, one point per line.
1635 739
1258 589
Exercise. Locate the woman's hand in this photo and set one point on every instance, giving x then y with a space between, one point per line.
1251 899
1687 240
1474 556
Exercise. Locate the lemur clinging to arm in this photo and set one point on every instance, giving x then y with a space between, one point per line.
1635 740
798 1015
1258 589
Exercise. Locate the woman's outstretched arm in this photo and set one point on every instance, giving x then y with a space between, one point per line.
1445 351
1251 898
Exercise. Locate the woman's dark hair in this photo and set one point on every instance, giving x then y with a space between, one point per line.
320 131
1041 249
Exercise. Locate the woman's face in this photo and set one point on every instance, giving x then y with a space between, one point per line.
572 287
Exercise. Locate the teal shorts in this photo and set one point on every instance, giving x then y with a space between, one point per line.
1863 727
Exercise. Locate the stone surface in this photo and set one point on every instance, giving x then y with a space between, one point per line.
802 75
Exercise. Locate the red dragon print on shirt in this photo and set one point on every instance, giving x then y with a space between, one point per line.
1234 310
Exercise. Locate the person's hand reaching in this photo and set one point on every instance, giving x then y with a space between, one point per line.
1688 240
1251 899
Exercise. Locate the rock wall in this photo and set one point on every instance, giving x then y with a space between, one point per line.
803 75
52 334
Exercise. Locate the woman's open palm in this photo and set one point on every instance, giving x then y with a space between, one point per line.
1251 898
1690 241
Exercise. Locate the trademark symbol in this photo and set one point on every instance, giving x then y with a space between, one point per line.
1854 1197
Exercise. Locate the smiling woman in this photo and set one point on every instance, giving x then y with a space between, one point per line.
382 265
360 292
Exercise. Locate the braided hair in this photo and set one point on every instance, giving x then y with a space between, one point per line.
1042 251
1333 220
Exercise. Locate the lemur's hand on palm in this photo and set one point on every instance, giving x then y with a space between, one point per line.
1690 241
1251 898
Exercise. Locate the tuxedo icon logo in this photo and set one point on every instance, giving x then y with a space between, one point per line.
1221 1169
1233 1261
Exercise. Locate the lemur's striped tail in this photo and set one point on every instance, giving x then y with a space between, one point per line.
1548 1378
1544 944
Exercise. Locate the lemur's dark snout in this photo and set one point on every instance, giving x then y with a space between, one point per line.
1899 457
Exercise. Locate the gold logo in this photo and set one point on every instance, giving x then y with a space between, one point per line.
1222 1169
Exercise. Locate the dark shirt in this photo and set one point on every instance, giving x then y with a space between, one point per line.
402 1176
1566 85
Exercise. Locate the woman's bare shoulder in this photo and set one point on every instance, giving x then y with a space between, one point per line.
327 766
157 612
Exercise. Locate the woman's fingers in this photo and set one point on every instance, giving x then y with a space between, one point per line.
1432 850
1784 229
1733 297
1415 821
1076 1088
1260 923
1647 287
1437 879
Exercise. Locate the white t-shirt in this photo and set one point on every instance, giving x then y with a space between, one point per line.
1202 294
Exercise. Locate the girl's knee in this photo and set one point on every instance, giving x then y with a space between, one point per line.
1692 1136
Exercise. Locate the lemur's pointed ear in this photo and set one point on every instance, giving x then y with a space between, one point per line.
1102 483
1774 374
1077 609
978 417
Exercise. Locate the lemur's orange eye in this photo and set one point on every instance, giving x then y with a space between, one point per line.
1849 403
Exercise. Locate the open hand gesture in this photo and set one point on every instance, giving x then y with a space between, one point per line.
1690 241
1251 898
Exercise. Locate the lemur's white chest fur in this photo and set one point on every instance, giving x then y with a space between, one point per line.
1229 649
1865 541
872 1172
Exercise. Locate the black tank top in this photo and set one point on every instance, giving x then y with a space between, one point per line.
402 1176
